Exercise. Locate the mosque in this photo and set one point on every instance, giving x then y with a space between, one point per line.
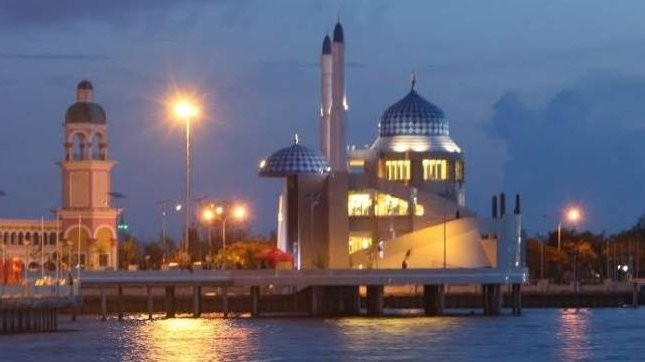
399 203
83 229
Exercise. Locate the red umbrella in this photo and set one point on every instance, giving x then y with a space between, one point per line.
274 255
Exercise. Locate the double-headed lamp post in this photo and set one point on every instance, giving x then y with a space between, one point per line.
186 110
238 212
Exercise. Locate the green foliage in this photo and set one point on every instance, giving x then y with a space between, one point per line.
240 255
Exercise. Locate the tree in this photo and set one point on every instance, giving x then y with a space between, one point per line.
240 255
128 252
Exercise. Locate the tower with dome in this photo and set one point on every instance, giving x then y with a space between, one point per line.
399 203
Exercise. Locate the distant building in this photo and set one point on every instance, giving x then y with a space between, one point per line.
399 203
84 227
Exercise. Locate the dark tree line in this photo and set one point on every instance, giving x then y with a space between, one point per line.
588 256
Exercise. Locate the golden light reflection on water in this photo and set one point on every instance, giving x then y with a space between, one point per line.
189 339
573 334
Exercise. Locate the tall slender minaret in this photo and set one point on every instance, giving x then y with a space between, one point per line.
337 148
325 96
337 182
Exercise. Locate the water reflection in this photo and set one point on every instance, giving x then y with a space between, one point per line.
187 339
574 334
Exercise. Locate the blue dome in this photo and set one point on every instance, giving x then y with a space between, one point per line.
412 116
293 160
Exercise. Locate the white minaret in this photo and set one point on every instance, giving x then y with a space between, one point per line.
325 96
337 148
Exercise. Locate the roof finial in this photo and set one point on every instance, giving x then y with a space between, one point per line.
413 79
295 139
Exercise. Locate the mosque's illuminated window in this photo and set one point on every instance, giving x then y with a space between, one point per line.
397 170
435 169
387 205
459 170
359 241
359 204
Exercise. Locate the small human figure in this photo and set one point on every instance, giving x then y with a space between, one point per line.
404 265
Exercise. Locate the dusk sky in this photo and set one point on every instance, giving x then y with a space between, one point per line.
546 98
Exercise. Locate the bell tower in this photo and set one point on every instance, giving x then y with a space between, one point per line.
88 221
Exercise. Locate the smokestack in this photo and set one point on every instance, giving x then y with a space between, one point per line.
494 207
502 205
517 204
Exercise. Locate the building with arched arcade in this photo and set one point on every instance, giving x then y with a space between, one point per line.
83 230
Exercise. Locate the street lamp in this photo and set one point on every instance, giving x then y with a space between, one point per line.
238 212
573 215
208 215
186 110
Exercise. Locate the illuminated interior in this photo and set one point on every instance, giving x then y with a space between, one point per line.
387 205
360 204
435 169
397 170
359 241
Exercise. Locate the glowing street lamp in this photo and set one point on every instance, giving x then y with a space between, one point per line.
186 110
573 215
238 212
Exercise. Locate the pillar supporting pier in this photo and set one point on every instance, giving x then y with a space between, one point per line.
149 301
433 299
103 305
492 299
197 301
375 300
170 302
120 301
516 293
255 301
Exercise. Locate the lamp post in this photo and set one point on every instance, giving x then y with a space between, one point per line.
238 212
185 110
573 215
207 218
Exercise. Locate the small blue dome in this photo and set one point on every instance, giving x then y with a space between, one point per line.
413 115
293 160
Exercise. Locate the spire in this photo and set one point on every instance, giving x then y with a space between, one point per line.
413 79
326 48
338 33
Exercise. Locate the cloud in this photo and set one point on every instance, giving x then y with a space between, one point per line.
582 146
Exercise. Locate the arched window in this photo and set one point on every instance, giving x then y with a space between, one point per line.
13 239
98 147
52 238
20 238
78 146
